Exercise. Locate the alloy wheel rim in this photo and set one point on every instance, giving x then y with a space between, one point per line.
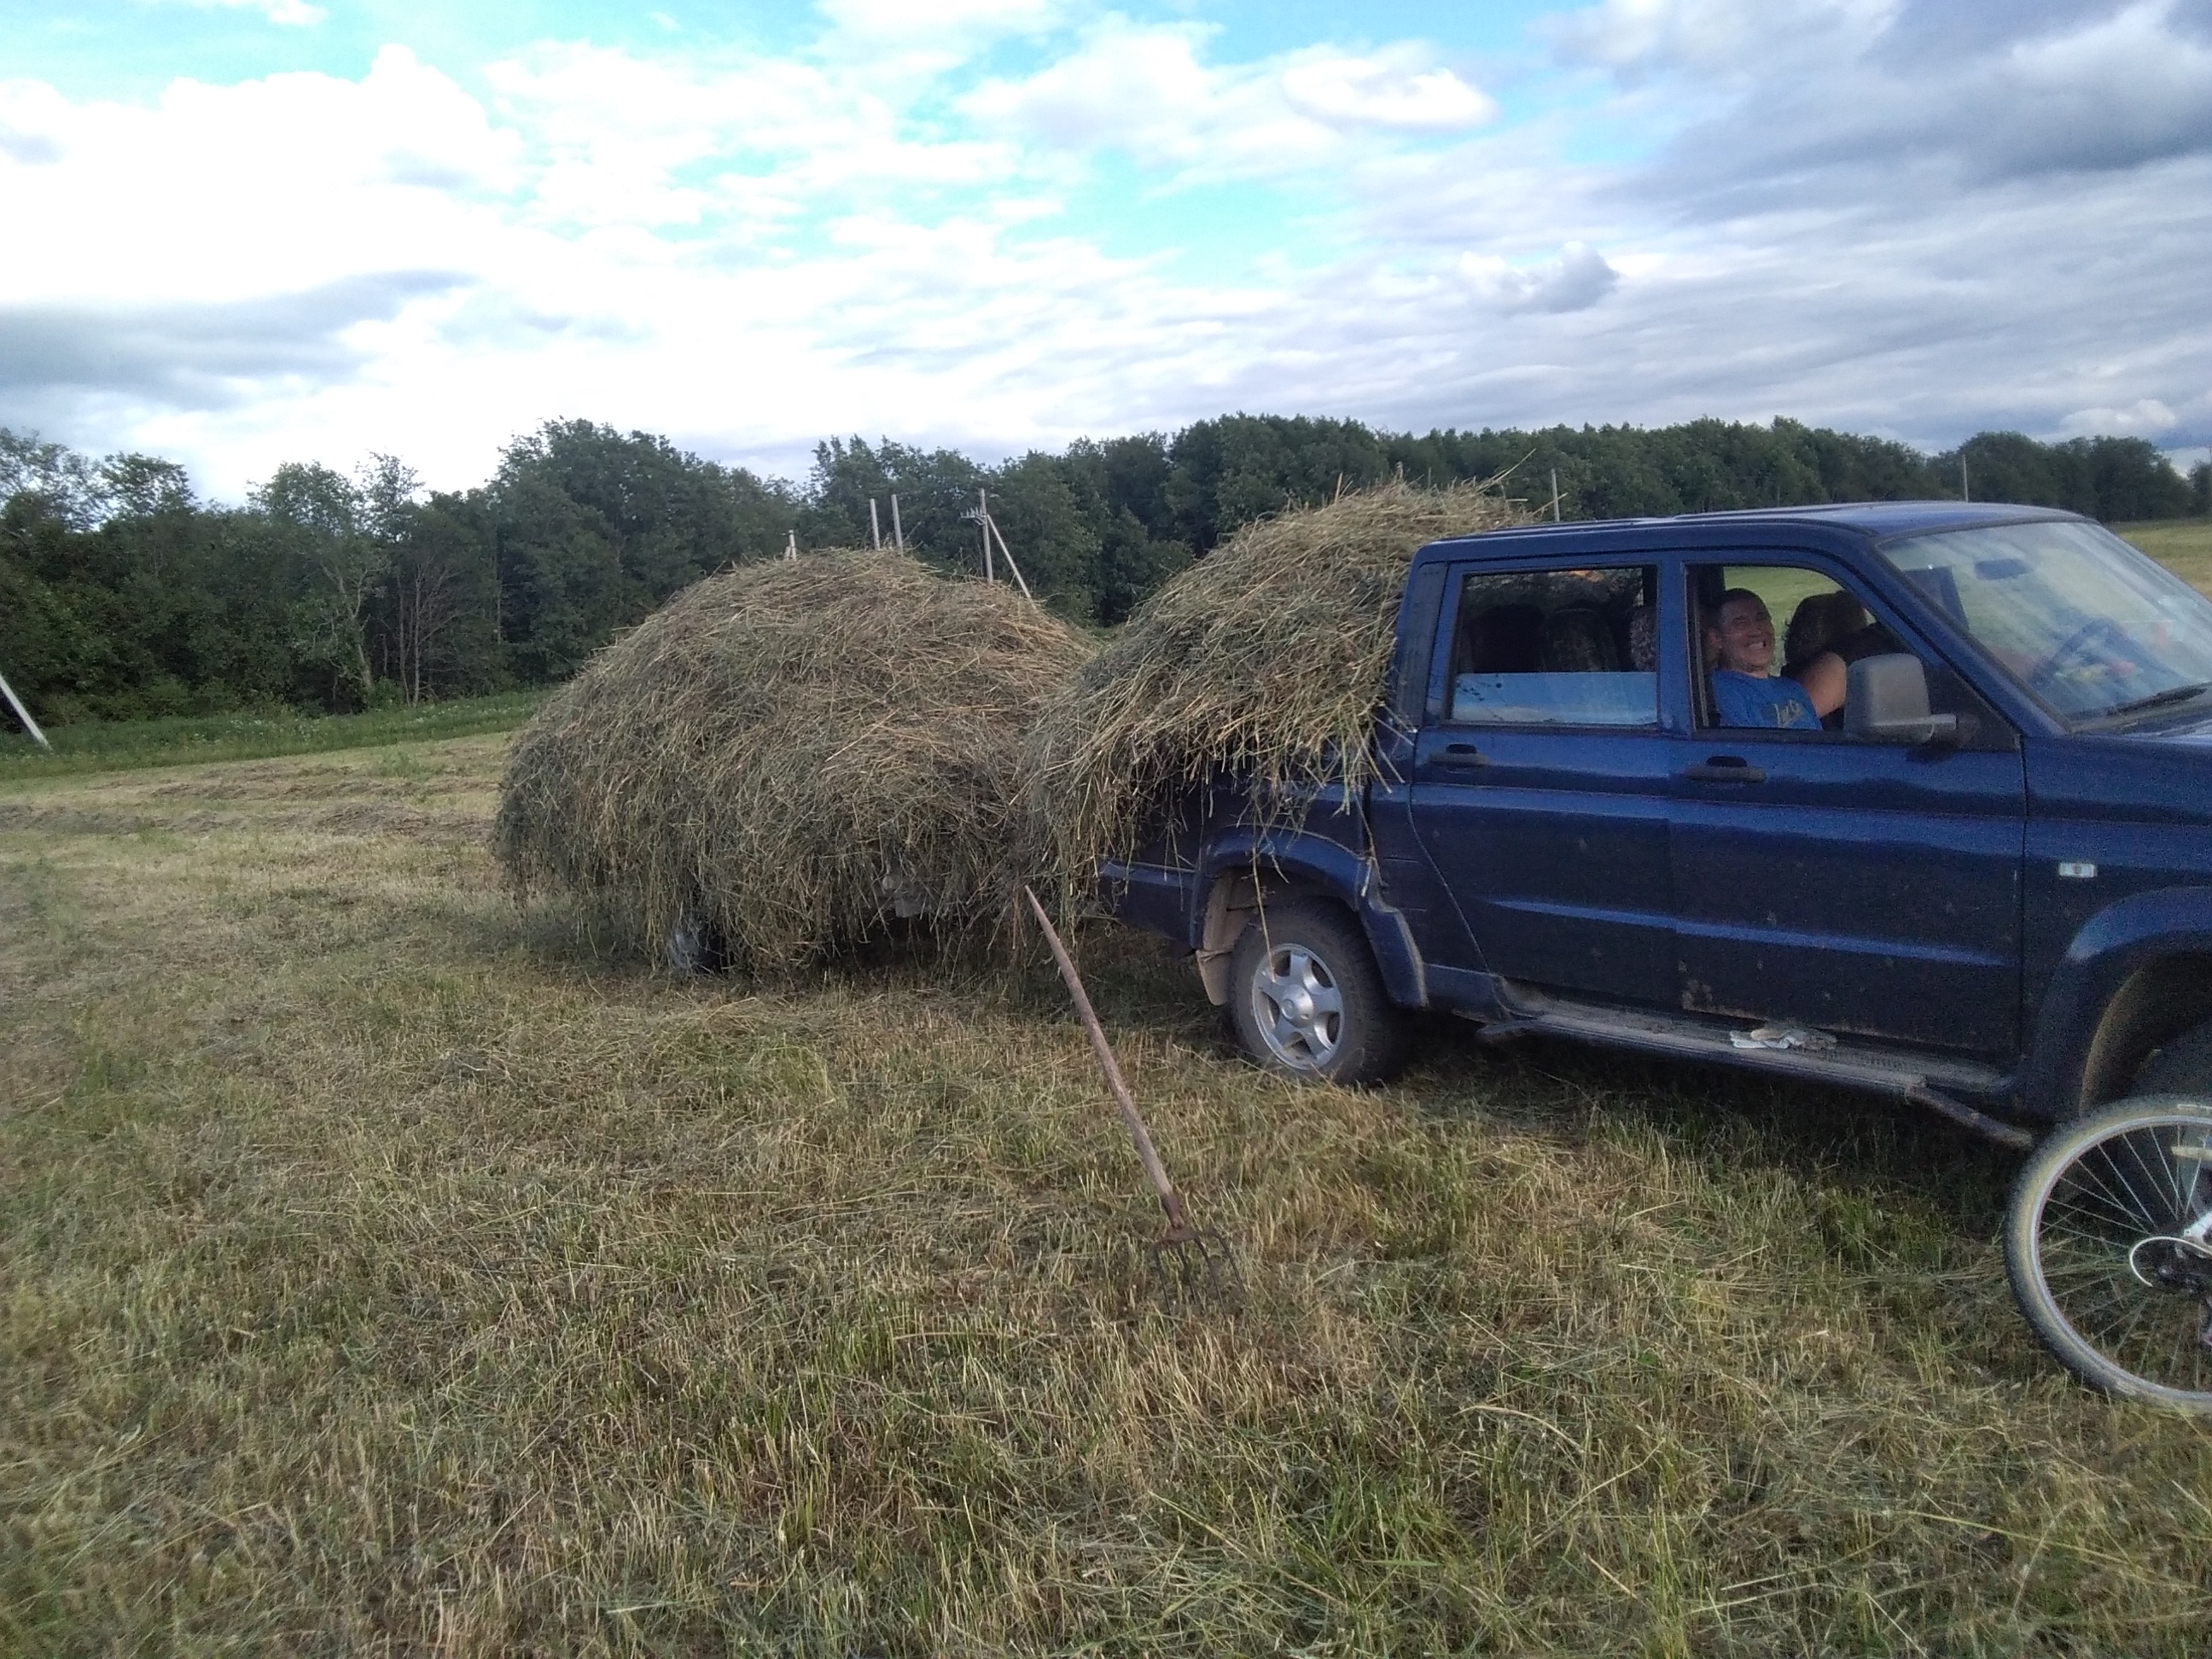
1298 1008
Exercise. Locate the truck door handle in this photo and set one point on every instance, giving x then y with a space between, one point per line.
1726 768
1462 754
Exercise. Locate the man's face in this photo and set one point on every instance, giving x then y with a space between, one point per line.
1742 637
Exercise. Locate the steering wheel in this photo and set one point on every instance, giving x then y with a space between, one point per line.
2047 673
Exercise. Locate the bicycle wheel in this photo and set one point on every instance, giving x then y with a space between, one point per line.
2108 1244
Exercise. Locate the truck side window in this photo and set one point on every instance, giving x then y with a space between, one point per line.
1557 647
1777 641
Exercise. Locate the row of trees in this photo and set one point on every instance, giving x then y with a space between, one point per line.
123 595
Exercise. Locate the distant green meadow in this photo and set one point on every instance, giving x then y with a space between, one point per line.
2182 545
254 734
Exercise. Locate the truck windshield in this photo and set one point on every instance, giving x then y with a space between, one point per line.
2090 626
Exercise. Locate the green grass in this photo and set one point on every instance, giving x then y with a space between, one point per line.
382 1271
2182 545
103 746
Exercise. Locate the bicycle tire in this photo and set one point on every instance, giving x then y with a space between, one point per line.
2095 1252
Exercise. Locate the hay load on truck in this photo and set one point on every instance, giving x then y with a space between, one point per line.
1914 798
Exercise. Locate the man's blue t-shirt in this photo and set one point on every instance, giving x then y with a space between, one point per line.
1748 700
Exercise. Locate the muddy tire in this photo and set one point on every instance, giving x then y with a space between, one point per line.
1307 1000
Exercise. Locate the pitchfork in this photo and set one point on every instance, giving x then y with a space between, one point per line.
1185 1260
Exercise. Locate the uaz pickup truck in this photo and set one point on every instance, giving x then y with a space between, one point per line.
1962 855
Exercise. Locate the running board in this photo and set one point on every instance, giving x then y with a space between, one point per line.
1885 1071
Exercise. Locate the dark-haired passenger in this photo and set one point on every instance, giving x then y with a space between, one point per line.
1740 645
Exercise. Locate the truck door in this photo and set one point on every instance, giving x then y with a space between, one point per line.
1540 777
1843 882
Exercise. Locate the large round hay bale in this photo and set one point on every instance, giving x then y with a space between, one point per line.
1264 661
789 755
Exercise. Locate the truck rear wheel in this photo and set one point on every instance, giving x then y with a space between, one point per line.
1307 1000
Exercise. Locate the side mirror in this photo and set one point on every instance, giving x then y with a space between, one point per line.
1885 698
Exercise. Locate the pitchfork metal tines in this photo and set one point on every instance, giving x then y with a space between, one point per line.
1188 1262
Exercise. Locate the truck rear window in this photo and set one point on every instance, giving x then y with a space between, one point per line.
1557 647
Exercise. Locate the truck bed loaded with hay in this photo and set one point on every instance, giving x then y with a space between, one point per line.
1959 852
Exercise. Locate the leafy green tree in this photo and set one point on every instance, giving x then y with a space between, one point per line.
65 483
1228 471
1054 542
936 490
121 595
594 528
327 522
141 486
441 611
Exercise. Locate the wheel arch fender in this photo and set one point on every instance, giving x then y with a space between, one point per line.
2134 974
1240 871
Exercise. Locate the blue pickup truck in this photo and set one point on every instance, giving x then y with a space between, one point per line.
1910 798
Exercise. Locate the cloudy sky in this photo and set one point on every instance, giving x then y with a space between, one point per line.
246 231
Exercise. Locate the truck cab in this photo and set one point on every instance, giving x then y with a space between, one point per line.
1946 836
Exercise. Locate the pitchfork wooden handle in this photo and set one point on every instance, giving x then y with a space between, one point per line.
1150 1159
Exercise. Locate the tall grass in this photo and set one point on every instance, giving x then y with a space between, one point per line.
118 745
383 1271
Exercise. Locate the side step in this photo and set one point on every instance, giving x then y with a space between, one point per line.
1925 1080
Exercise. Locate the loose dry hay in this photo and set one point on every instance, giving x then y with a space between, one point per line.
1264 661
788 754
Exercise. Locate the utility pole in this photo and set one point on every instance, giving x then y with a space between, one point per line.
24 714
1964 494
875 527
898 536
982 513
1555 495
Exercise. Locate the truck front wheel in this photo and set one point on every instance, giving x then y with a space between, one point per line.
1307 1000
2183 1067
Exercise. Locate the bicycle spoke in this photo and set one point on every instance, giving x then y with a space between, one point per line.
2144 1212
2091 1167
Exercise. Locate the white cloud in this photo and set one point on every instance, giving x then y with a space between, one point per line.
2146 417
938 20
215 193
286 13
748 252
1148 92
1574 280
1376 92
622 140
1634 38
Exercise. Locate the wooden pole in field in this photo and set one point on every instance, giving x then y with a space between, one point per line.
875 527
983 522
992 524
24 714
898 536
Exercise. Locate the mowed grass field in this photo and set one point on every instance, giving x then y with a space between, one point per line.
383 1271
2182 545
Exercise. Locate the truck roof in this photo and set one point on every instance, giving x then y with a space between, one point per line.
1853 521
